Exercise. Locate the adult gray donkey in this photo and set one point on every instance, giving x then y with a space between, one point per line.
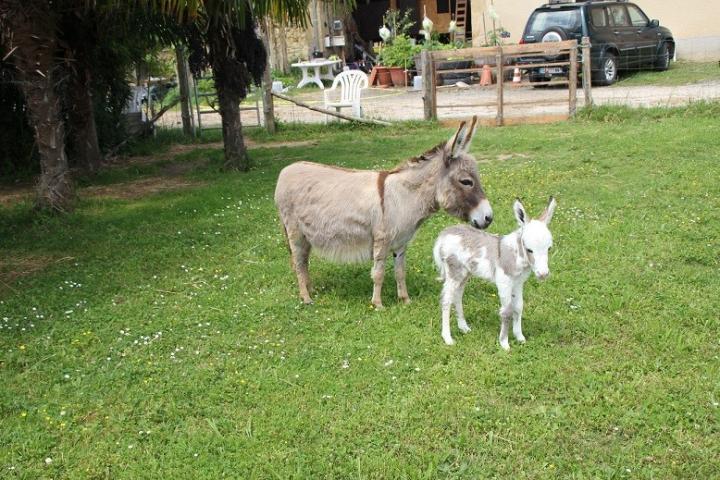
354 215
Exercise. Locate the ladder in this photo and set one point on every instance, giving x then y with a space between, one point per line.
461 18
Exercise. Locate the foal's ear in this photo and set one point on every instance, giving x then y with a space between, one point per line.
520 214
549 210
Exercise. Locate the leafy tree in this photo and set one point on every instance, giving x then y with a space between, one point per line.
56 46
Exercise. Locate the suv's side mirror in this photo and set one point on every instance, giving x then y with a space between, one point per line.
654 23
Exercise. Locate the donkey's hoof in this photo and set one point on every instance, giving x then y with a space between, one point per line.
465 328
378 306
405 300
448 341
505 346
308 301
520 339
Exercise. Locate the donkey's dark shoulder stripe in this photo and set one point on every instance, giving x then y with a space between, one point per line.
382 175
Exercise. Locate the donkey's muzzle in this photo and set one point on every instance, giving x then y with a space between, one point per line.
485 224
482 215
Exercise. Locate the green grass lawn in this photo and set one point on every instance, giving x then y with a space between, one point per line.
679 73
162 337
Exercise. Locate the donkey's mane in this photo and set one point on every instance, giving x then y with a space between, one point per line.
419 159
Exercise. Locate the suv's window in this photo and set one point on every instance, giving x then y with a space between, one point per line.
618 16
597 17
541 20
637 17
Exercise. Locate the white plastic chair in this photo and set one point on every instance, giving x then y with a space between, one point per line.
351 83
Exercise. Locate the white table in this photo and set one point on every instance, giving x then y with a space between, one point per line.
317 75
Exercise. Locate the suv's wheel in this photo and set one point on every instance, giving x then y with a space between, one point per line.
663 59
608 73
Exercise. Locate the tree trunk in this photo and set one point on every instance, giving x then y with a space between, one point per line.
33 37
184 84
82 117
55 189
236 157
268 102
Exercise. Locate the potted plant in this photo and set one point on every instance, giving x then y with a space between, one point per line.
382 73
398 56
393 60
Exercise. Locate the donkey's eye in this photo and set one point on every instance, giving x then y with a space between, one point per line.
467 181
528 250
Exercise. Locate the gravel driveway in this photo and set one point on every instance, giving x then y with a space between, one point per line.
403 104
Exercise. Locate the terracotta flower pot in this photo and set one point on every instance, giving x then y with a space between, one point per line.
398 75
383 76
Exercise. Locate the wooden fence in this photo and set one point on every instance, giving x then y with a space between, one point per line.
501 59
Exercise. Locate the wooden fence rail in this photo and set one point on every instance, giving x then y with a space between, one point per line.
503 58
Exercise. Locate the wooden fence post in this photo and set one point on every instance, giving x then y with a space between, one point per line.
428 82
572 81
587 71
500 80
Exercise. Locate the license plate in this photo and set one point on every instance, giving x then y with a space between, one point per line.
551 71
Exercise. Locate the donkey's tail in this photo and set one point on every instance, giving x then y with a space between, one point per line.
285 234
439 264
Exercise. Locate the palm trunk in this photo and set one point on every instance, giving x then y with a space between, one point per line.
236 157
184 85
54 190
33 31
84 131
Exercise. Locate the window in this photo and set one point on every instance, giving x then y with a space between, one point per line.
598 18
542 20
618 16
637 17
446 6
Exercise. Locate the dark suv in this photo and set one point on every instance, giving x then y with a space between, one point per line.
621 35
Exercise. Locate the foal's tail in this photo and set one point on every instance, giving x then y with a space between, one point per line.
439 264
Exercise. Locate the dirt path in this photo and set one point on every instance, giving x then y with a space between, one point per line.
170 177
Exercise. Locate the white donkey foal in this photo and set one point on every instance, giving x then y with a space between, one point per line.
505 260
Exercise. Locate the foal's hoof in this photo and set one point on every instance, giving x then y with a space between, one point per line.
465 328
449 341
378 306
405 300
308 301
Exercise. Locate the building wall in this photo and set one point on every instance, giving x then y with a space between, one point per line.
694 23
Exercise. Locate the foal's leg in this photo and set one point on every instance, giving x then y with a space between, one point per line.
506 311
400 276
517 304
300 252
457 301
380 250
447 297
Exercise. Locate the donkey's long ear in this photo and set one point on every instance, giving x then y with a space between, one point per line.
471 133
549 210
520 214
456 141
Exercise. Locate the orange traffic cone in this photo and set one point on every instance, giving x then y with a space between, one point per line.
486 76
517 78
